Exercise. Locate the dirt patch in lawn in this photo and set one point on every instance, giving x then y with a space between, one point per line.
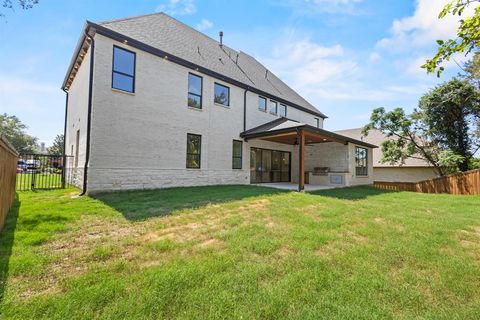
469 239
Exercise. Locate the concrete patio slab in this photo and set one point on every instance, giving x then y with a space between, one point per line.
294 186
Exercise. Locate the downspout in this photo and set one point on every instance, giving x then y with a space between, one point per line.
245 110
64 155
89 114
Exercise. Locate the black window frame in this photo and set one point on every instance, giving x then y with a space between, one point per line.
228 98
317 120
285 106
122 73
276 107
199 154
266 103
361 164
237 157
191 93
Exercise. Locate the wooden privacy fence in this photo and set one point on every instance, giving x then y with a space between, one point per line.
466 183
8 172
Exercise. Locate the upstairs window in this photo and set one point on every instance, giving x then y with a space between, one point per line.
262 104
317 122
195 84
221 95
273 107
237 154
361 161
123 70
282 110
194 150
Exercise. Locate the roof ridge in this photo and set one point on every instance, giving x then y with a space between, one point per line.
131 17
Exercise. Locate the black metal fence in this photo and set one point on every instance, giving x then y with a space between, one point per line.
43 172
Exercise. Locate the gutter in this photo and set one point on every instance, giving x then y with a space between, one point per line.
89 114
245 110
64 156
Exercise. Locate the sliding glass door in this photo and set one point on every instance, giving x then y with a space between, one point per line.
269 166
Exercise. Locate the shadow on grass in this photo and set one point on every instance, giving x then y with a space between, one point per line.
352 193
7 237
141 205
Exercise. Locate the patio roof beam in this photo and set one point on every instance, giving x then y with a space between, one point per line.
301 158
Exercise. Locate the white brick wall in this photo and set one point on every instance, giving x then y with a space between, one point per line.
77 120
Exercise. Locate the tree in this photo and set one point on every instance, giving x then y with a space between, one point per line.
14 130
468 35
12 4
443 131
57 146
451 113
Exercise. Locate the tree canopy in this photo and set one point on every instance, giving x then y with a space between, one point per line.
444 130
57 146
468 35
12 4
14 130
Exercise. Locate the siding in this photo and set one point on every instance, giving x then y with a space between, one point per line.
77 119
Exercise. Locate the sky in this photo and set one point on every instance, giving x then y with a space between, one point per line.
346 57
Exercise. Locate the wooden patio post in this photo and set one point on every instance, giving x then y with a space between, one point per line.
301 161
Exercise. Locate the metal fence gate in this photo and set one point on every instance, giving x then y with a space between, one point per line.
43 172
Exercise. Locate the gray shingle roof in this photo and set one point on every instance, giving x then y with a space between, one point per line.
174 37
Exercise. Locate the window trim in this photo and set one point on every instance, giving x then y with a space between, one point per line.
317 122
199 153
364 166
283 116
236 157
122 73
228 99
266 104
201 91
276 108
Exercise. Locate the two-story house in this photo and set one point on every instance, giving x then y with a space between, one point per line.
153 103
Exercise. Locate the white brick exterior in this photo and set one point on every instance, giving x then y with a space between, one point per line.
139 140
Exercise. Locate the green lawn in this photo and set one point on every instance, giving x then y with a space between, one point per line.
241 252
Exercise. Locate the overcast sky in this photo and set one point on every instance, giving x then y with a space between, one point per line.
344 56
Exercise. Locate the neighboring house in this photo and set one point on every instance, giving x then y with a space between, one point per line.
413 170
153 103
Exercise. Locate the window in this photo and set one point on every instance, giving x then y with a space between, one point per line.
194 148
123 70
273 107
282 110
262 104
237 154
221 95
317 122
361 161
195 91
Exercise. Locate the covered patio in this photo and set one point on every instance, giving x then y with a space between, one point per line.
290 132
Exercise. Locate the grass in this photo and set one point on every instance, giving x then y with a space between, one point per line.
241 252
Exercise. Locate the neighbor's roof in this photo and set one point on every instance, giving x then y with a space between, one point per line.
284 125
178 40
377 137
